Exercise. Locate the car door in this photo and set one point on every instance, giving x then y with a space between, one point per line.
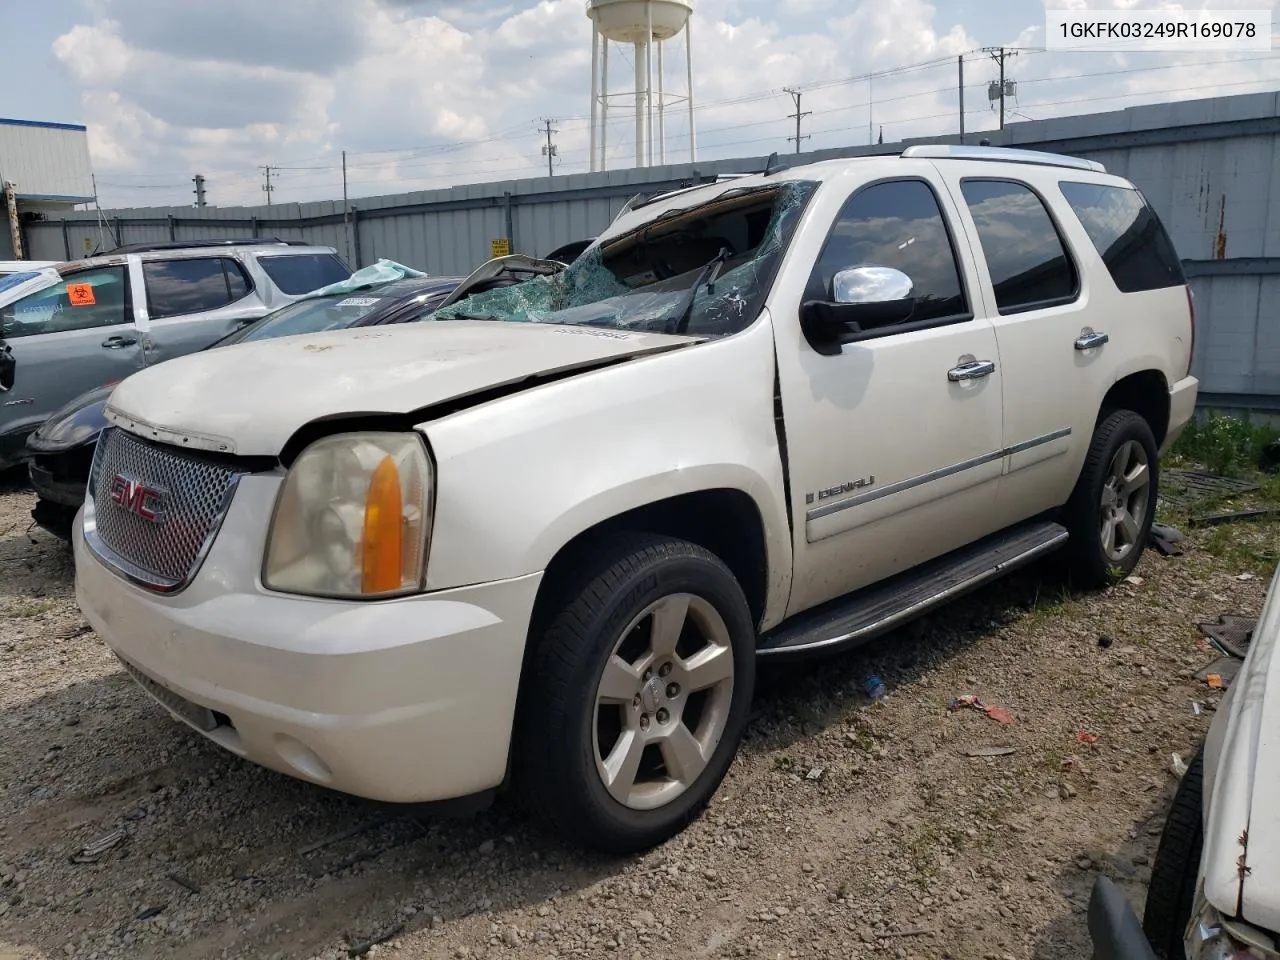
893 441
1054 380
68 338
193 301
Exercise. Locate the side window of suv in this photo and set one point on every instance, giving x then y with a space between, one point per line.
1025 254
896 224
299 273
1127 234
176 288
79 301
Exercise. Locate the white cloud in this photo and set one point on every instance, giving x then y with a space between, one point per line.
424 93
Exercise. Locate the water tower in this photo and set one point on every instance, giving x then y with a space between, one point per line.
644 24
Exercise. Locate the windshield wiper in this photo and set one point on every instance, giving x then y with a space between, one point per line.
682 313
468 316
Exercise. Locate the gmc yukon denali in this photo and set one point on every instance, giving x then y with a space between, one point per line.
539 540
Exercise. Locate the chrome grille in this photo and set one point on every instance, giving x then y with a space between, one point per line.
187 499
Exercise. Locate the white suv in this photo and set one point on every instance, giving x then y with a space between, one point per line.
543 540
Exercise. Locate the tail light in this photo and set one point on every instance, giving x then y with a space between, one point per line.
1191 310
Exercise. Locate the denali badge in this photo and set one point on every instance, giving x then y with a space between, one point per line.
847 487
137 498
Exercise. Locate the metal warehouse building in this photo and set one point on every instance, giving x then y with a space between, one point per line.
45 172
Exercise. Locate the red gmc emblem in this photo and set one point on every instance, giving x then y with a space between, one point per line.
137 498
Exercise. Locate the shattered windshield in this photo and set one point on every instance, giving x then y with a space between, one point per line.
704 270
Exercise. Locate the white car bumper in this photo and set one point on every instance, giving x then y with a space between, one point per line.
406 700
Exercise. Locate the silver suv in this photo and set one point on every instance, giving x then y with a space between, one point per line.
98 320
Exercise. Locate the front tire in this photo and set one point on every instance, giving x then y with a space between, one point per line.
1110 511
637 694
1171 893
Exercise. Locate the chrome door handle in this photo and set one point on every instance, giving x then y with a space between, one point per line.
1091 339
115 343
974 370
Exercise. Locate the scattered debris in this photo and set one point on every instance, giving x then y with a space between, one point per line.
358 948
150 912
1231 634
343 835
1084 736
913 932
1104 641
1134 580
817 773
77 632
1196 709
1247 576
1181 488
1178 766
92 853
1167 533
183 882
989 751
969 701
41 792
1220 673
875 688
1073 764
1214 519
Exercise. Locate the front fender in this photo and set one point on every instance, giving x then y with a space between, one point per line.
520 477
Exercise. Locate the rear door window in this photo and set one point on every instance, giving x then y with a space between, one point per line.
1025 256
79 301
177 288
301 273
1127 234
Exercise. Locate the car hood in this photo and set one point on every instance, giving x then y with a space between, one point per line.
250 398
77 423
1241 859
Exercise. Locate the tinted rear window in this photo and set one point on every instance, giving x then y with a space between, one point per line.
1128 235
303 272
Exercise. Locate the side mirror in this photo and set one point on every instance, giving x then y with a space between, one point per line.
8 367
866 297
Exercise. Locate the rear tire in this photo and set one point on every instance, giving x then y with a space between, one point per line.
1171 893
1110 511
637 694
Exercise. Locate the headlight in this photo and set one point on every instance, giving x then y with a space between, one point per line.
353 518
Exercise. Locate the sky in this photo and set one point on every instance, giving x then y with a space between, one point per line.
431 93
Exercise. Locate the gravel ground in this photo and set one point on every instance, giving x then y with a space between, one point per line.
845 829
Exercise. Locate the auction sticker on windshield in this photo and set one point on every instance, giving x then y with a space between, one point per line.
358 301
80 295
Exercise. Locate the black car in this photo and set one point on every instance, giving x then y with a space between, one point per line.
61 451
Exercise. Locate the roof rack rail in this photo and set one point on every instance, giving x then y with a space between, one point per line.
643 200
940 151
147 247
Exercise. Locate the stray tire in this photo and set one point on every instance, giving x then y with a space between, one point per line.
1110 511
637 694
1171 893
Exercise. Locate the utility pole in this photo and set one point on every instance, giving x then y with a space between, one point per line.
960 59
797 116
346 208
267 187
1004 87
198 180
549 150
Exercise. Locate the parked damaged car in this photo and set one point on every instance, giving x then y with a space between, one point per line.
1215 882
61 451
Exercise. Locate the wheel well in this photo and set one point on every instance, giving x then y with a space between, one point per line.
725 522
1146 394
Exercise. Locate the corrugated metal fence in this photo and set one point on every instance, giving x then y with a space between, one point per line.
1208 166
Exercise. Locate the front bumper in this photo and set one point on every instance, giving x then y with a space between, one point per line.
1182 407
1113 926
407 700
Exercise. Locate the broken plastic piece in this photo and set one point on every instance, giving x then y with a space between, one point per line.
1178 766
1085 736
969 701
92 853
1214 680
989 751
